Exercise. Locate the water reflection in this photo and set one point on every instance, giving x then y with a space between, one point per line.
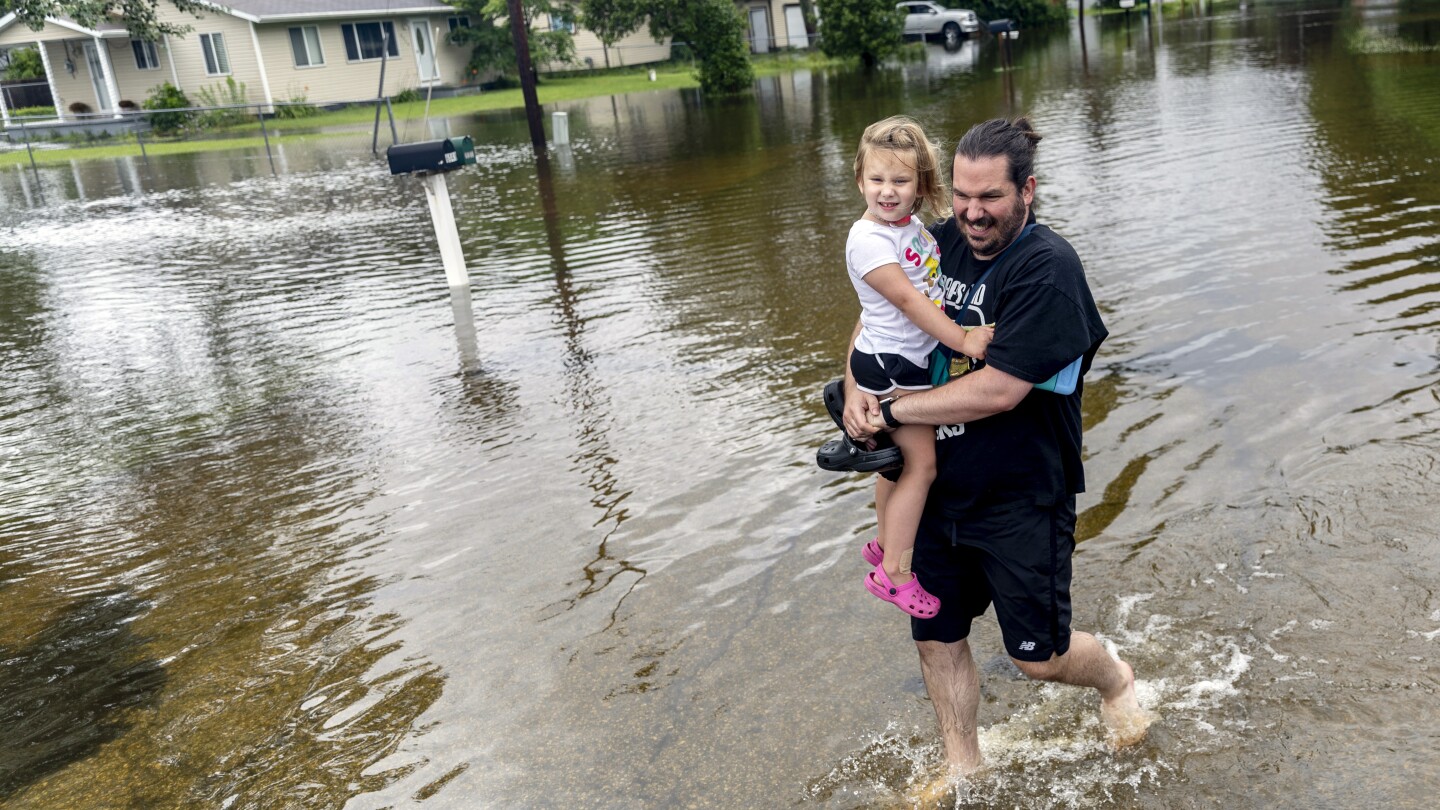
73 687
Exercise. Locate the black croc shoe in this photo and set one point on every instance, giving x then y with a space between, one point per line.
843 454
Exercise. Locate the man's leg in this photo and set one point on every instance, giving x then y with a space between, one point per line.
1087 663
954 687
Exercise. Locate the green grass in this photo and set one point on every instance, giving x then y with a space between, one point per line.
128 147
550 89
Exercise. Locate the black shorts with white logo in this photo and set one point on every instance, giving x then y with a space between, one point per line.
879 374
1014 555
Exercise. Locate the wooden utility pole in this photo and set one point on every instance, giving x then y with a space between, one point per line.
527 75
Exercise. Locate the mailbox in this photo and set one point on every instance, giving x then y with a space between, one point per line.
465 147
426 156
1000 27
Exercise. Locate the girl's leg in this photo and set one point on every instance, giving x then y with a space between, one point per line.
900 517
883 488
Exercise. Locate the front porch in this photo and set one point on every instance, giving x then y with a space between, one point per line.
80 68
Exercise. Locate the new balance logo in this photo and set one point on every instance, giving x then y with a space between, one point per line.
1027 645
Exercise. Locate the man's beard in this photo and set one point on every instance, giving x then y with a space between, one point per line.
1002 231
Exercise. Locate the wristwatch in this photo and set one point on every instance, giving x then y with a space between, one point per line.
890 420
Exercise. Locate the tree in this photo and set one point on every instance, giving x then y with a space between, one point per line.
715 31
25 63
138 15
612 20
493 49
868 29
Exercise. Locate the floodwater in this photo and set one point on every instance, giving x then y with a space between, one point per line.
285 524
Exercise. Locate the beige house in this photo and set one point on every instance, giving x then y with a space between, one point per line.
321 51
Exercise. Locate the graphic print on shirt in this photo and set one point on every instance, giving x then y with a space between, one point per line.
924 251
952 295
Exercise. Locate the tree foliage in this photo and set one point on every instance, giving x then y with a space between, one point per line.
868 29
612 20
492 48
715 32
138 15
1025 13
25 63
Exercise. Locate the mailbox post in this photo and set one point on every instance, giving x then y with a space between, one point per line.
431 161
1004 29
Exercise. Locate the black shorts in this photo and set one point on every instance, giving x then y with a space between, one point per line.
1014 555
879 374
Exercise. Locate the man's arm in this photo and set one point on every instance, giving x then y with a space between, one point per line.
977 395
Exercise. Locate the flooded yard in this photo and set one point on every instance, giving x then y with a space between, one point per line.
285 524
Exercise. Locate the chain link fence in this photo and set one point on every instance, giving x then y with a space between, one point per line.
257 132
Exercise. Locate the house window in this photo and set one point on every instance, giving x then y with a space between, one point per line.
561 20
217 59
305 45
458 22
369 40
145 56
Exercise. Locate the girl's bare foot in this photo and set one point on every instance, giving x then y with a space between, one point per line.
1125 721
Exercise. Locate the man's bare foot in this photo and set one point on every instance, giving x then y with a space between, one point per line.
942 784
1125 722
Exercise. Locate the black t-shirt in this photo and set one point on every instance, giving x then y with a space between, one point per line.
1044 317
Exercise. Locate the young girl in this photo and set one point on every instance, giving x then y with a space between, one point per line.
893 261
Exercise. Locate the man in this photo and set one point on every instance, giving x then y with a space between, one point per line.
1000 519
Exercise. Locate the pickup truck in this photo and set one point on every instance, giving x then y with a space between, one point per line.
925 19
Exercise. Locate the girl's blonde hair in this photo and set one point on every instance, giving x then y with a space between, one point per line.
901 135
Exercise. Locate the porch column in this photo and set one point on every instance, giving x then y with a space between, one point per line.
260 63
103 51
50 80
170 54
4 110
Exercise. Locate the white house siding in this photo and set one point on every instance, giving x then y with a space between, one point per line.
636 49
135 84
20 34
190 59
340 80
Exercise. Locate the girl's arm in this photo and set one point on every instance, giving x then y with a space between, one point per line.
890 281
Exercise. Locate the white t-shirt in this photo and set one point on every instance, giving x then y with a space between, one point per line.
883 327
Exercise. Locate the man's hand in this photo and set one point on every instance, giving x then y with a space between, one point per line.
861 409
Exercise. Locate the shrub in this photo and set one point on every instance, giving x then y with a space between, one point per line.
79 108
1025 13
231 92
407 95
33 112
297 108
167 97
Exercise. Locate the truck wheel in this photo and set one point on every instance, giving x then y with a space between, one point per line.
951 32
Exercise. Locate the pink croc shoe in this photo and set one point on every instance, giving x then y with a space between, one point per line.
872 552
910 597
